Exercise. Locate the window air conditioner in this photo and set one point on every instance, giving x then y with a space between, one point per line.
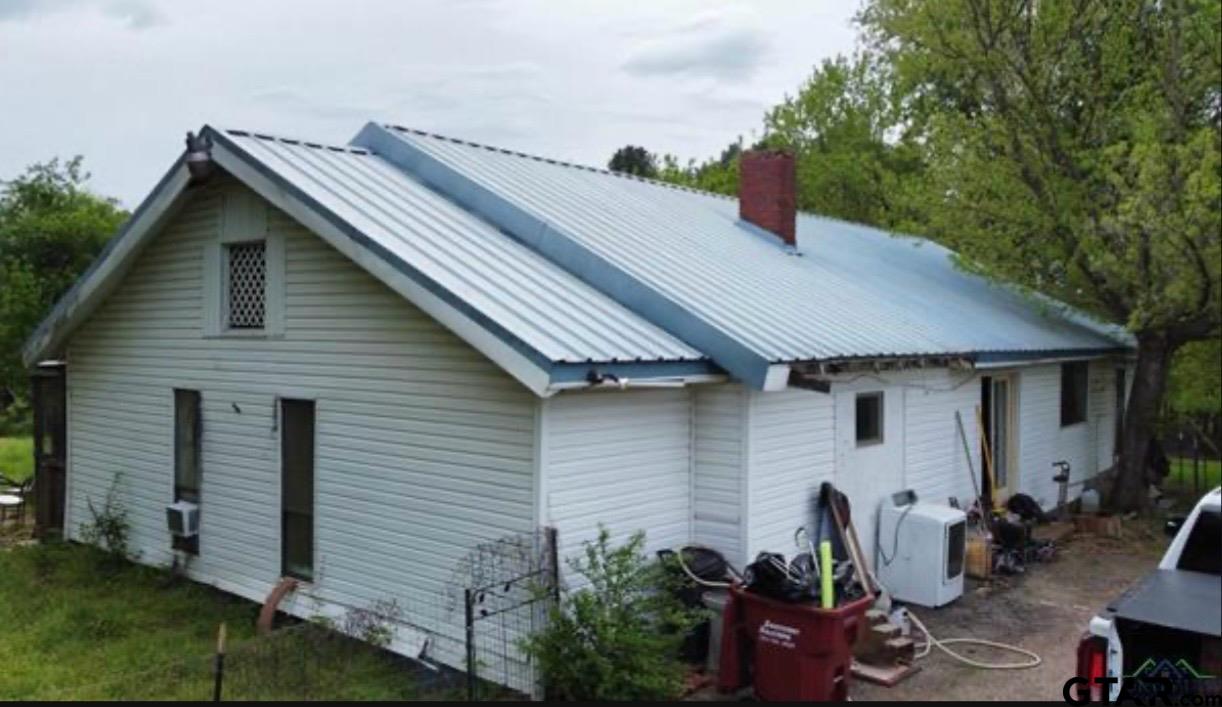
182 517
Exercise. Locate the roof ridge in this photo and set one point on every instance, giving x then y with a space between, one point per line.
315 144
561 163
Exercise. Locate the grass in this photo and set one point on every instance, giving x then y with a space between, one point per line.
1209 473
79 625
17 457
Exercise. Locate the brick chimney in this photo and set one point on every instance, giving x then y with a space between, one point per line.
767 192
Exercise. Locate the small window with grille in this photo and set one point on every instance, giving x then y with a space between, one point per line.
246 285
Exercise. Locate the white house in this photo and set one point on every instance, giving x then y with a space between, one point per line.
363 360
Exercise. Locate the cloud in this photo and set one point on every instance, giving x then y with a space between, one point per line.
135 14
727 46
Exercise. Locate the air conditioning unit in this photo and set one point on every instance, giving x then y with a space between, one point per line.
182 517
921 549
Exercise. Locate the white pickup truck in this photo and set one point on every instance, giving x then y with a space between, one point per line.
1163 635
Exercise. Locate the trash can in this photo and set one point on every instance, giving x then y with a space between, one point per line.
788 651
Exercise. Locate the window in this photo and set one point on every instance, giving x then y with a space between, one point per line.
186 457
1073 393
297 488
246 285
869 418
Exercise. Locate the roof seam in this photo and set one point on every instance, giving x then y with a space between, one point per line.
297 142
561 163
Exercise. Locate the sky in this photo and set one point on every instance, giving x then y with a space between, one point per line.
122 81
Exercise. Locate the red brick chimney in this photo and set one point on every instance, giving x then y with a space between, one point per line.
768 192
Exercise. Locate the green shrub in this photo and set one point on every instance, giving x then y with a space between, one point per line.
108 527
617 638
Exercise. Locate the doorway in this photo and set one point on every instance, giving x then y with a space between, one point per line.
999 446
50 448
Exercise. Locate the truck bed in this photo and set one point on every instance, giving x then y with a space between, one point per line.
1174 599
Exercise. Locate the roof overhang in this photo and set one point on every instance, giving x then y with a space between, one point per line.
530 367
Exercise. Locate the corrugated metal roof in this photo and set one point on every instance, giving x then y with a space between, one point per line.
545 307
850 291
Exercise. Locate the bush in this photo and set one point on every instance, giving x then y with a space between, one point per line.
619 637
108 527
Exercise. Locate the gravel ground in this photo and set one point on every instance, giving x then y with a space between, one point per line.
1044 610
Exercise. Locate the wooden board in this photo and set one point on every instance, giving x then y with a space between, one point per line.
888 676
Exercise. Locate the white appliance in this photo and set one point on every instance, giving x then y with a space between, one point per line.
182 517
920 550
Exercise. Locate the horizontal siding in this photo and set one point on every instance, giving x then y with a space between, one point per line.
424 448
1042 439
791 453
935 463
621 459
719 460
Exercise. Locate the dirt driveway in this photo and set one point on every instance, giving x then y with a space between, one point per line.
1044 610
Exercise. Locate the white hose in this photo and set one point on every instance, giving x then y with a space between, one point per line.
930 642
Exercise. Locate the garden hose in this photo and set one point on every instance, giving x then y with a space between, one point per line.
930 642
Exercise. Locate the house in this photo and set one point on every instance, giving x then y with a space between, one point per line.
363 360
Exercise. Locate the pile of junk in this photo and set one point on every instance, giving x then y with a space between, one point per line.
803 627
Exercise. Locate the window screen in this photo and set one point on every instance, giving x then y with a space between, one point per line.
297 488
1073 393
246 294
869 418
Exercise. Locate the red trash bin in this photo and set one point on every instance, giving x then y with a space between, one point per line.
788 651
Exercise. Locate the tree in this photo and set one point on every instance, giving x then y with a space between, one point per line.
51 228
1073 148
854 156
631 159
1196 379
718 175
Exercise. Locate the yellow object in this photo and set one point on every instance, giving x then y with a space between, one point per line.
825 573
987 453
979 564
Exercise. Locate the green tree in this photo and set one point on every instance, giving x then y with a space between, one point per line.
632 159
1196 379
51 228
855 154
1073 148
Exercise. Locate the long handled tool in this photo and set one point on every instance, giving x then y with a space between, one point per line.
847 537
971 466
988 459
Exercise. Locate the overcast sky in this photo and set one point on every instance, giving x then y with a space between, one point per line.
121 81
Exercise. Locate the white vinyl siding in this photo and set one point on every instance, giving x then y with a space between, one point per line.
424 447
719 450
791 452
1042 440
935 463
621 459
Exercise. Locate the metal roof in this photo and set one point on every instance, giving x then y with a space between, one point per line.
544 307
849 291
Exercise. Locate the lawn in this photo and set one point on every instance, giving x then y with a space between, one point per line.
78 625
16 457
1209 473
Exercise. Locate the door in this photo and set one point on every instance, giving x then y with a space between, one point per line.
50 448
1001 447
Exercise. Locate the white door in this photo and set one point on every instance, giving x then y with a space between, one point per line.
869 455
